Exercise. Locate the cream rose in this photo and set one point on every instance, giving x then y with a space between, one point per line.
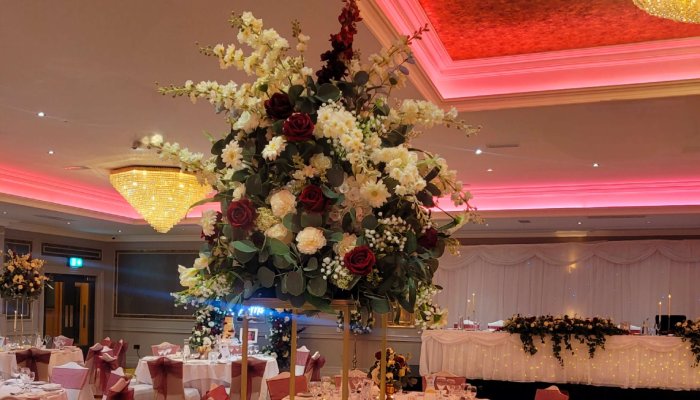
282 203
279 232
348 243
310 240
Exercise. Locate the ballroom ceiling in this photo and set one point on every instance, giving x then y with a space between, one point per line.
492 28
92 69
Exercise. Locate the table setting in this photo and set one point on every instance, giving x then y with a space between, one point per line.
60 356
24 386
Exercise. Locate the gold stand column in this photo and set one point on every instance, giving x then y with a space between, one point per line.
346 353
244 358
382 360
293 357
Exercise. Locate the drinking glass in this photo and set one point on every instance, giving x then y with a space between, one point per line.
326 385
471 392
440 384
315 388
451 388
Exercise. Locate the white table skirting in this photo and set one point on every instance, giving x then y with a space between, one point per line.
201 374
58 357
626 361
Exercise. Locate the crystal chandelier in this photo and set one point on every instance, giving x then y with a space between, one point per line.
677 10
162 195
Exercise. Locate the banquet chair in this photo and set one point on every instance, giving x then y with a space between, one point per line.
74 379
166 375
104 365
65 341
107 341
120 390
256 370
120 349
312 369
217 392
165 347
460 380
142 391
302 357
278 386
36 360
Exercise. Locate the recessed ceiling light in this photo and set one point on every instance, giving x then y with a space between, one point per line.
489 170
596 165
50 152
4 212
579 222
478 151
40 114
119 231
68 222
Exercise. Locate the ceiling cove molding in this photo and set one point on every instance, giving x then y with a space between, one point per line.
629 71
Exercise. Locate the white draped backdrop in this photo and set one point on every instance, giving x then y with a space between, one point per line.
623 280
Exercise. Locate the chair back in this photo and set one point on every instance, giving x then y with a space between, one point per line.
120 352
106 342
550 394
302 357
104 365
256 370
70 376
166 348
36 360
218 392
62 341
278 386
120 390
166 375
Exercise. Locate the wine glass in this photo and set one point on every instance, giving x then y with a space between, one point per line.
315 388
326 385
440 384
471 392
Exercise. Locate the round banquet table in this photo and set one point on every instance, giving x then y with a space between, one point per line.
36 393
58 357
201 374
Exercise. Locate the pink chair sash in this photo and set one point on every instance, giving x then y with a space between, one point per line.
278 386
36 360
314 365
256 369
66 341
120 391
70 378
166 375
218 393
547 394
106 342
93 352
123 346
105 364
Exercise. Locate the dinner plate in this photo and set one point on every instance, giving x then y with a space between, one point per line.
51 386
38 383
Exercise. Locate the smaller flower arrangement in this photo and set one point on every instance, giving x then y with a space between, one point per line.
591 331
689 331
358 326
429 315
397 369
280 345
22 277
208 327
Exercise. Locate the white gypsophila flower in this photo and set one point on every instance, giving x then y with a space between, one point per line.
274 148
282 203
310 240
375 193
207 222
202 261
232 155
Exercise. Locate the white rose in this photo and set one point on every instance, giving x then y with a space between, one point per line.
279 232
207 222
310 240
282 203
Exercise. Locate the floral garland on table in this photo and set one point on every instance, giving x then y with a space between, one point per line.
397 369
357 325
323 197
591 331
208 327
428 314
22 277
689 330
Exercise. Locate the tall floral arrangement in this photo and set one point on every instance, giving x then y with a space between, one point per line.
208 326
280 345
397 369
322 194
22 277
358 324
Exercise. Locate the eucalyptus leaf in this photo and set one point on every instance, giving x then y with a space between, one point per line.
321 304
277 247
281 262
380 305
245 246
328 92
253 185
311 265
297 301
411 242
294 92
370 222
329 192
294 282
311 219
317 286
361 78
266 277
425 198
336 237
335 175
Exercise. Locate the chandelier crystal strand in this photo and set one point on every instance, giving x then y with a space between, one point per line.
162 195
677 10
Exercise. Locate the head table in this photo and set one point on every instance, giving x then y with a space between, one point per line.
201 374
627 361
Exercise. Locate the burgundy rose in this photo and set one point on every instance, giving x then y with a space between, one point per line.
312 199
378 355
400 360
298 127
359 260
429 238
278 106
241 214
217 230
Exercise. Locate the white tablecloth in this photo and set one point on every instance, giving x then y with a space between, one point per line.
7 390
627 361
58 357
202 374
